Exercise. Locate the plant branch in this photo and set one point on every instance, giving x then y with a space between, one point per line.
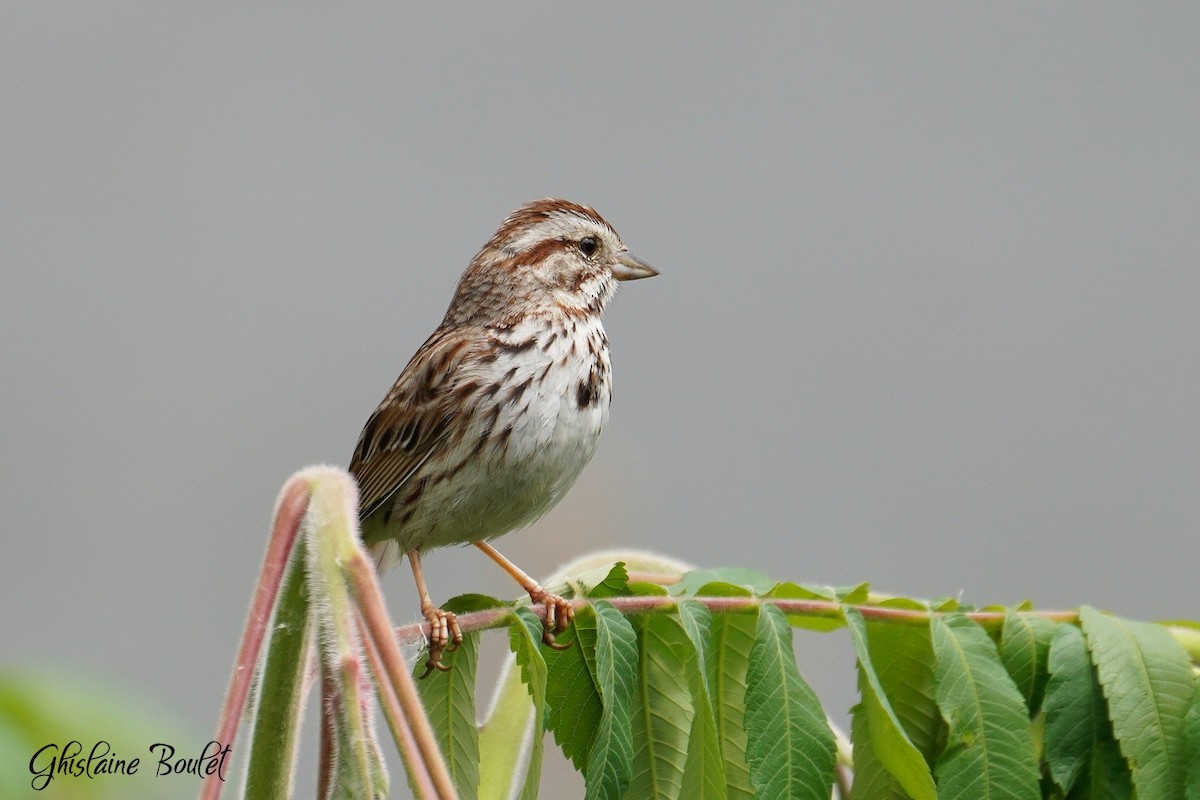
820 609
289 512
392 713
366 588
330 532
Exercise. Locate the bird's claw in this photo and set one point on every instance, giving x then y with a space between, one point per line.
444 637
557 617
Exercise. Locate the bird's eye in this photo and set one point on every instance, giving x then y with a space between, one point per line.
588 246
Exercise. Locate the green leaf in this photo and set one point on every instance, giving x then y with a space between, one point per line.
794 591
1147 680
789 746
888 740
906 603
696 620
728 658
694 583
704 772
610 761
989 753
872 781
722 589
1187 633
504 737
1193 746
903 659
1082 757
853 595
572 694
902 656
468 603
615 584
449 700
1024 648
945 605
524 639
662 708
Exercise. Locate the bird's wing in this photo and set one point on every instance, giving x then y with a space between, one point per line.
416 420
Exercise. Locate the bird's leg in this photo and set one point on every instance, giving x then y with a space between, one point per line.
559 612
443 625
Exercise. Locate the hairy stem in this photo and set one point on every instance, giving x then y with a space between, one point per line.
366 588
289 512
497 617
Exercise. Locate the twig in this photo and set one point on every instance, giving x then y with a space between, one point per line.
819 609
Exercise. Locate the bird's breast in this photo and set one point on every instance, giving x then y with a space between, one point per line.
538 413
558 418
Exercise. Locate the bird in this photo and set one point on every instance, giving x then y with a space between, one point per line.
498 412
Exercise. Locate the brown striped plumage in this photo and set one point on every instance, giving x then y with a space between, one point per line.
501 408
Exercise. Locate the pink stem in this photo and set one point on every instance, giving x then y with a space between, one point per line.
495 617
378 627
401 730
293 503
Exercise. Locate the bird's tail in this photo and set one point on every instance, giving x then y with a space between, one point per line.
387 554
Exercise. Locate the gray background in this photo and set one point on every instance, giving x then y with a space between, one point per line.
928 311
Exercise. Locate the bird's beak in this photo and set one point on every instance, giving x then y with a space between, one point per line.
629 268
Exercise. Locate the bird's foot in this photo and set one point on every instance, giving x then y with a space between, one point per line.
444 636
558 615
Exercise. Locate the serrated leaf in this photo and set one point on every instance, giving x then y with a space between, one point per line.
731 639
1187 633
647 589
722 589
888 740
449 700
704 772
693 583
794 591
1024 648
572 696
610 761
470 602
662 708
789 746
1147 680
1082 757
853 595
1193 740
872 781
524 639
696 620
989 752
903 659
615 583
505 737
907 603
